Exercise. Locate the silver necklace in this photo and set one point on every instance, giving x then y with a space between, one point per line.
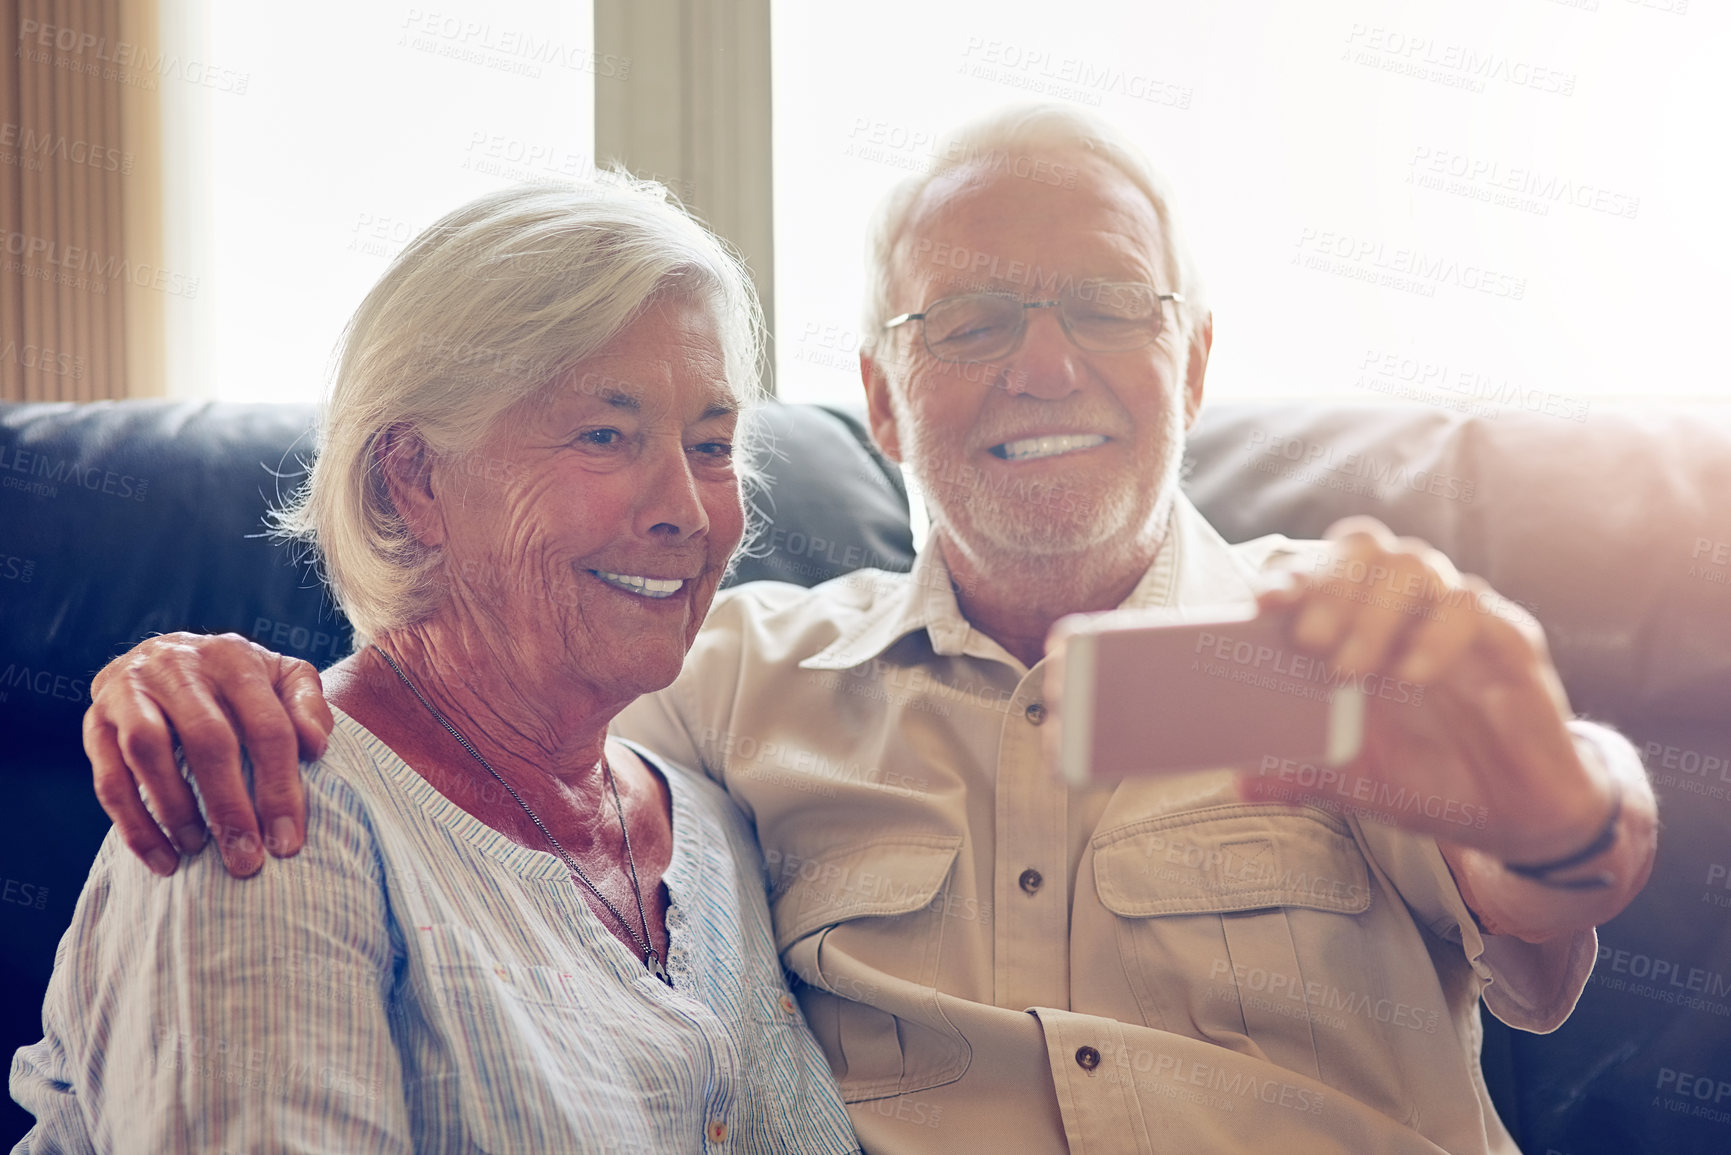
651 960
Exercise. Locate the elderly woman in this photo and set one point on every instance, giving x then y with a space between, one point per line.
507 932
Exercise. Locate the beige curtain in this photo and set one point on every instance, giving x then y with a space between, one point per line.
64 166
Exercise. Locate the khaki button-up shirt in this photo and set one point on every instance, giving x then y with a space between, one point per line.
995 962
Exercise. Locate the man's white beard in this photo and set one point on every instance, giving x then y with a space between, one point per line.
1046 530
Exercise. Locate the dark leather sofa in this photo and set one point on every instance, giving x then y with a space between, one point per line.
120 520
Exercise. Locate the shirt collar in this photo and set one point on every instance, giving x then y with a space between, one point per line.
1195 567
921 599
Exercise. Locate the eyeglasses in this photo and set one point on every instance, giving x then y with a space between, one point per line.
1102 318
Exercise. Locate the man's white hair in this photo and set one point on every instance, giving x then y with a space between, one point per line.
490 306
1006 141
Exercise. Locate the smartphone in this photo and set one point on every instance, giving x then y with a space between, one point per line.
1154 692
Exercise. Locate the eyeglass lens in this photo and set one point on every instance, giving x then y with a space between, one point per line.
1103 318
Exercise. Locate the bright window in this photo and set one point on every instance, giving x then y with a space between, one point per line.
361 123
1483 199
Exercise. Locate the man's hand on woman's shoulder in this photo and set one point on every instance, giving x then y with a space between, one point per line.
213 695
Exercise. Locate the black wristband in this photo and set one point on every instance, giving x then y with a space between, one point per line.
1606 838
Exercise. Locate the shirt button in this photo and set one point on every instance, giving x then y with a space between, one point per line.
788 1006
717 1131
1087 1058
1035 713
1030 880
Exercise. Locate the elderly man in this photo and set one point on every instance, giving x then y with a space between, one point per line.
995 962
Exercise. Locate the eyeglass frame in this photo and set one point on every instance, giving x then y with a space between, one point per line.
1022 334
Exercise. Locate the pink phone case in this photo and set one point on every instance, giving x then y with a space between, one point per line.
1140 692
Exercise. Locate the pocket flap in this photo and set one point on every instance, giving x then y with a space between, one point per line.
887 876
1230 858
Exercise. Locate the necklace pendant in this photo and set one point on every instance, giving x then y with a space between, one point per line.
653 962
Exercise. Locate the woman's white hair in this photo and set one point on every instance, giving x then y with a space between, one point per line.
1005 141
490 306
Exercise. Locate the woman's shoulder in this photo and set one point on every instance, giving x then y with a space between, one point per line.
355 769
346 790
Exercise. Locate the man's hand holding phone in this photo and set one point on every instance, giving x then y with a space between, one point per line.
1464 720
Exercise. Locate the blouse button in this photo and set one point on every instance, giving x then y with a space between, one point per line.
1087 1058
1030 880
787 1004
717 1131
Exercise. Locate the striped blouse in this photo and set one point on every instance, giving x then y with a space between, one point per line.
414 980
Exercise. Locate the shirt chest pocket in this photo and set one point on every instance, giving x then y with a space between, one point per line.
862 927
1242 925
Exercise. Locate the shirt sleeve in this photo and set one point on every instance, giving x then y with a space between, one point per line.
1541 982
207 1013
1529 986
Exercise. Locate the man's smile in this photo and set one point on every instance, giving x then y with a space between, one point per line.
1050 445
